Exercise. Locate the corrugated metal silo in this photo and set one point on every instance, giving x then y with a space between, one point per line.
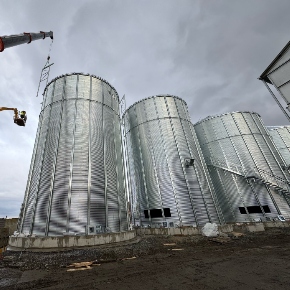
76 179
167 174
244 165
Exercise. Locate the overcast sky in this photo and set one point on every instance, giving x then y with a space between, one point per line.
210 53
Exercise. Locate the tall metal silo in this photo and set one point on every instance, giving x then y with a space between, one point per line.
281 138
168 178
245 166
76 179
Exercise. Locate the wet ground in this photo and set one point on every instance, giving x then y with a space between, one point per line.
250 261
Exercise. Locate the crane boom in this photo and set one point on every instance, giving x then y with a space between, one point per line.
19 121
7 41
12 109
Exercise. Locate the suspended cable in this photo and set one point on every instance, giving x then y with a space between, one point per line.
44 75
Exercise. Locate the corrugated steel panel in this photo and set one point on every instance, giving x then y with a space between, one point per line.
77 175
159 137
236 146
278 74
283 58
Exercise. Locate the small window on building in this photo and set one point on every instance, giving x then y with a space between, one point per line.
167 212
157 212
254 209
266 209
146 214
242 210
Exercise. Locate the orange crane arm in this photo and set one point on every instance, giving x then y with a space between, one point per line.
26 37
11 109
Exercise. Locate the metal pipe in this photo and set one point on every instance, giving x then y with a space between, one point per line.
277 101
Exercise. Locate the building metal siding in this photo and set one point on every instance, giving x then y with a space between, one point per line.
244 165
159 136
76 177
278 74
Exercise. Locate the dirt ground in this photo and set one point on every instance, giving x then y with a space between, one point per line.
251 261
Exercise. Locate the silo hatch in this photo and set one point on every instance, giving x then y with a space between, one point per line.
255 209
189 162
157 212
94 229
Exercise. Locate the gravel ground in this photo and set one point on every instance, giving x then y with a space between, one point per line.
249 261
140 246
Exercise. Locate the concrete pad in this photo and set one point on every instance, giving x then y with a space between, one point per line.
66 242
258 227
226 228
183 231
276 224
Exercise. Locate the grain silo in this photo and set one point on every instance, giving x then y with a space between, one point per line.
169 184
281 138
245 167
76 179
